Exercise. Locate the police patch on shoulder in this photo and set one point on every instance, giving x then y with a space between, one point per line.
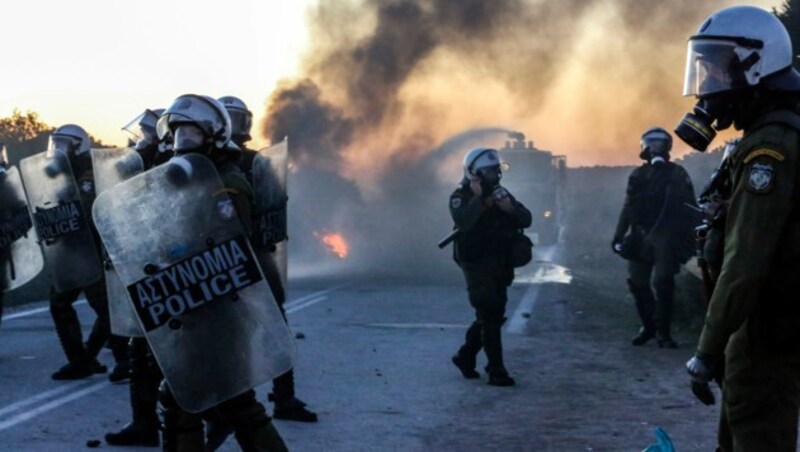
760 178
226 209
455 202
87 186
764 152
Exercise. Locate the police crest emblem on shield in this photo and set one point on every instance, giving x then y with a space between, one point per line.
760 179
226 209
87 186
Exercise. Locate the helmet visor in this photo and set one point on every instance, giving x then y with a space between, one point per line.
715 65
241 122
142 126
64 144
191 110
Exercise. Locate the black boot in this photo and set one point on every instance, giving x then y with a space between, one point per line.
253 428
287 406
68 330
645 306
144 429
122 368
493 347
467 353
292 409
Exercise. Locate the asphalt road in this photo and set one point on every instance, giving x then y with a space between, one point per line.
374 363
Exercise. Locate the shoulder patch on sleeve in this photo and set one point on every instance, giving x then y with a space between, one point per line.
760 177
455 202
764 152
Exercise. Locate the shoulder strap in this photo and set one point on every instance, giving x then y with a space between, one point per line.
785 117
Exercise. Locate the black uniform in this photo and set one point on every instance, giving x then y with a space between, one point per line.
145 375
482 250
83 357
659 241
247 417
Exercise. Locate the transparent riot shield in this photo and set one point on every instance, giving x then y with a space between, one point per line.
178 246
20 256
61 223
111 167
270 170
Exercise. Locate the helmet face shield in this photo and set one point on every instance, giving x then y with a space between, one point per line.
241 121
142 126
204 112
719 65
64 144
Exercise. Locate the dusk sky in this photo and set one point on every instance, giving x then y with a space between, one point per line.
99 63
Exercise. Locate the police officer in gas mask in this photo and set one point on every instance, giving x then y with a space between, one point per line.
145 375
142 130
739 67
74 142
287 405
653 235
201 125
487 217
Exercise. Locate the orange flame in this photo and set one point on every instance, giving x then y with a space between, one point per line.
336 243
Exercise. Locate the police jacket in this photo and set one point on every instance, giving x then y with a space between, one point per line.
484 231
758 285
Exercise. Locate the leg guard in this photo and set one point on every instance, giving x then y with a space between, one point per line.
183 432
144 429
253 428
665 294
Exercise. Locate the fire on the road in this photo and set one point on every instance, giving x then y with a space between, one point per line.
335 243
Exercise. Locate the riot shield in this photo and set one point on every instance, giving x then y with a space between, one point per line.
20 256
178 246
111 167
270 170
60 220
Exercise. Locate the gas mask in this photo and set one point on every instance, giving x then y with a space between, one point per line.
710 114
189 138
490 178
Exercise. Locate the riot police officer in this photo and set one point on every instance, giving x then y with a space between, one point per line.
739 67
287 405
73 142
20 255
200 124
142 131
658 236
145 376
487 217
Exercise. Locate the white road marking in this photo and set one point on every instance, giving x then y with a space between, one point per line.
519 319
292 306
22 417
35 311
313 301
431 325
45 395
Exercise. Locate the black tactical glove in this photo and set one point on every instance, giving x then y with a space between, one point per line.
701 370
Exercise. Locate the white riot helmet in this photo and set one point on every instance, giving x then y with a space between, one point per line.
655 144
144 125
241 118
212 125
480 158
69 139
735 48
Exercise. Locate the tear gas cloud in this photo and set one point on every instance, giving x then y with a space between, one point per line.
394 92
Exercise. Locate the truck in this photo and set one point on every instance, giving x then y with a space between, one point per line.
537 178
